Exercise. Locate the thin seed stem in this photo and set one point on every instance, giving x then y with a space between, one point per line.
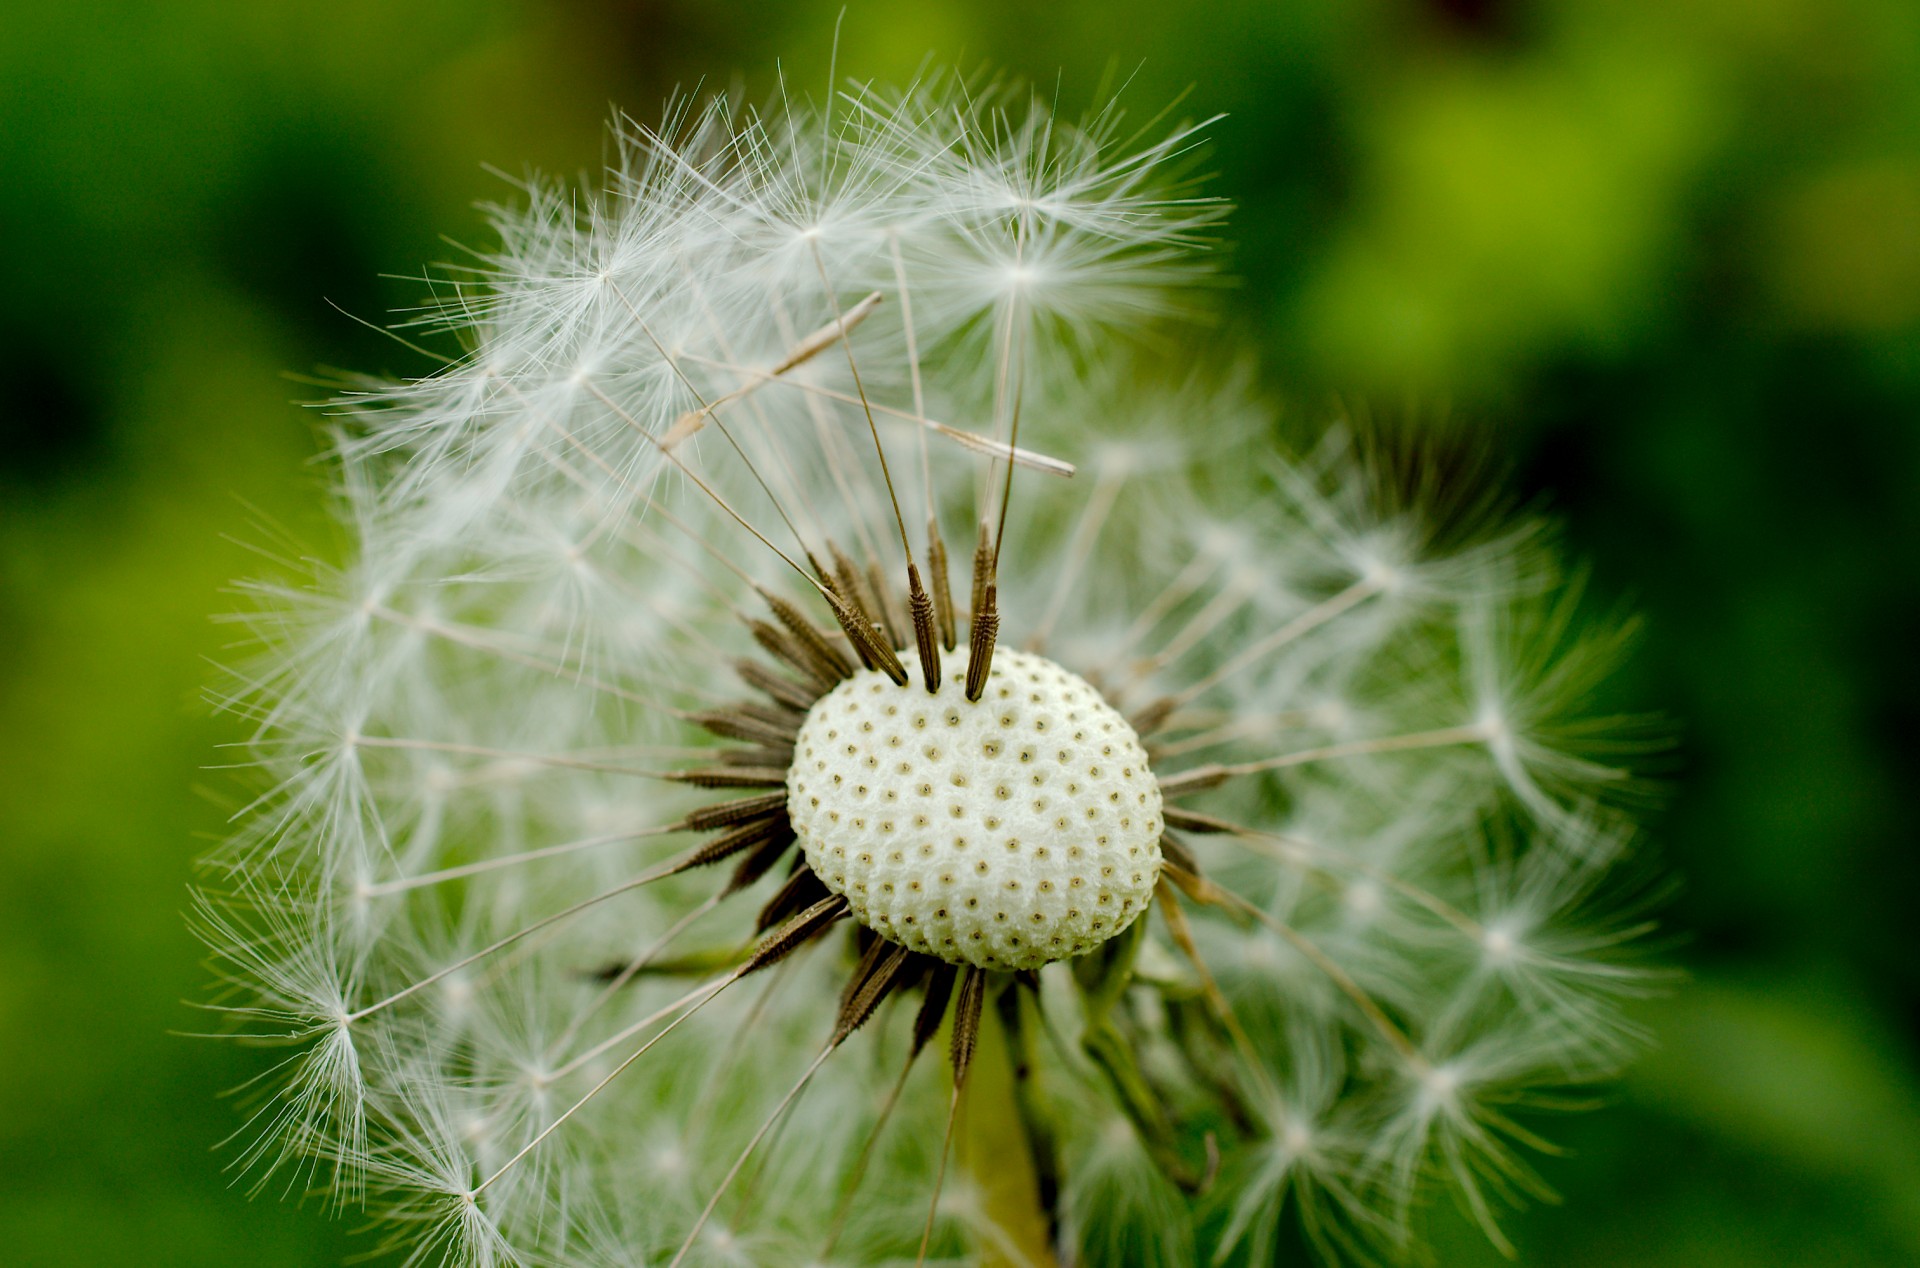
1308 621
703 486
1182 932
403 884
1223 605
1443 738
913 367
753 1144
701 993
698 998
986 446
707 411
645 878
866 407
942 585
1174 593
712 551
1228 732
841 464
1013 442
473 640
844 1207
1003 360
940 1175
967 1006
667 452
778 461
713 1089
1106 493
1290 849
514 755
626 975
1331 969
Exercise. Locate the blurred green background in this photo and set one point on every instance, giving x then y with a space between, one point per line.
1668 253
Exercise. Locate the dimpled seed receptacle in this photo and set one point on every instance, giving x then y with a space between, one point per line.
1007 833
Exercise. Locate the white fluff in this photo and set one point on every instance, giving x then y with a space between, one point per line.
666 395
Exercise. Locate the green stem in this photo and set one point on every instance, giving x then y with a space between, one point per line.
996 1155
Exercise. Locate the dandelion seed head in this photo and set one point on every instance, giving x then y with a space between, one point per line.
798 639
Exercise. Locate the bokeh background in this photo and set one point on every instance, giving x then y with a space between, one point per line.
1666 253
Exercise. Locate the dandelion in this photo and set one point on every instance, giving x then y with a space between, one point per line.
811 758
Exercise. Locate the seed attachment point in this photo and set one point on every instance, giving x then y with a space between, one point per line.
986 629
921 607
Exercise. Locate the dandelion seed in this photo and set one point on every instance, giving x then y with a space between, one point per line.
658 782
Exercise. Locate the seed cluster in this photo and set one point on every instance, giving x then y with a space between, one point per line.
1006 834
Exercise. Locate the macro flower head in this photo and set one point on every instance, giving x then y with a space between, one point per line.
840 737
